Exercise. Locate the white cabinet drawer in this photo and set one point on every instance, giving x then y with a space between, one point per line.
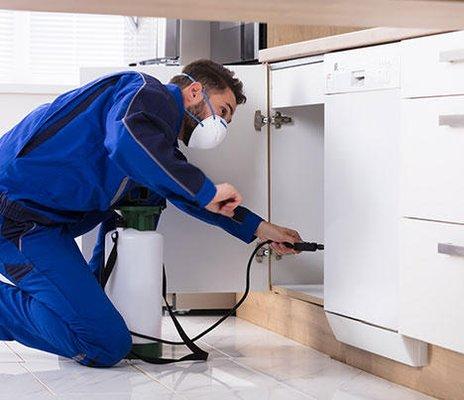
297 85
433 65
432 158
432 282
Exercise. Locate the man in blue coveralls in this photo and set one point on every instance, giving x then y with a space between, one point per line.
68 164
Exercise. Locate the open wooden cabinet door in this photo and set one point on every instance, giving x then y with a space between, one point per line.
199 257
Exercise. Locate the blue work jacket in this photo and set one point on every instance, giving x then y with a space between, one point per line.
75 159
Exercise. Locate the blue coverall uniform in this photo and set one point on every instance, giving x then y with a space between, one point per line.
63 169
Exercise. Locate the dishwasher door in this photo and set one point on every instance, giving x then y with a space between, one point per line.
361 213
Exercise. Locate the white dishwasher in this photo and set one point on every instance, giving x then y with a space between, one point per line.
361 210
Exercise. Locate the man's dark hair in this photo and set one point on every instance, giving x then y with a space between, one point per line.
212 76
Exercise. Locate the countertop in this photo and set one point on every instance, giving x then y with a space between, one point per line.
431 14
350 40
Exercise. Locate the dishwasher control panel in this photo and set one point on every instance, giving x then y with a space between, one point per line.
368 68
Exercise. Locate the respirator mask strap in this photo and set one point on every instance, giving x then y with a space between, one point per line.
194 117
221 120
206 98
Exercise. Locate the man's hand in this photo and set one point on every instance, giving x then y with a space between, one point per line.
226 200
278 235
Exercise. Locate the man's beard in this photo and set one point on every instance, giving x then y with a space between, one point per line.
189 123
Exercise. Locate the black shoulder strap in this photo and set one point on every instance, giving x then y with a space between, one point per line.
107 269
196 354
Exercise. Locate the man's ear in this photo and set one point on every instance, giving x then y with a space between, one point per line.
193 94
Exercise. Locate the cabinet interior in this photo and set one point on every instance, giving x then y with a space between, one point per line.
297 199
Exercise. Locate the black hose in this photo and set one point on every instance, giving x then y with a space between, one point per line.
224 317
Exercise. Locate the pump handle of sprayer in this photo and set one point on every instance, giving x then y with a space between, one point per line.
304 246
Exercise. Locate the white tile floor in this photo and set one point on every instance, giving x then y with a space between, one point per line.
246 362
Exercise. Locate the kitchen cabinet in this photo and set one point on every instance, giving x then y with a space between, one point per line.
393 189
433 65
347 159
297 172
392 156
432 158
200 257
334 175
297 83
297 195
432 282
432 228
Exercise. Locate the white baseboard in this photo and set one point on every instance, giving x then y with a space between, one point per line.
379 341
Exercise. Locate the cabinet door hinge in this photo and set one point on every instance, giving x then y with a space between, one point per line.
264 252
277 120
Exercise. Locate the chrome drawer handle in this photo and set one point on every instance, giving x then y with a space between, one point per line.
452 56
450 249
452 120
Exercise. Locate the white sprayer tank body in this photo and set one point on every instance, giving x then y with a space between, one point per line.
135 285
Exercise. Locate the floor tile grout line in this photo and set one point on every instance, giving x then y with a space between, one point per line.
216 349
15 352
280 382
49 389
325 356
358 374
151 377
52 356
237 361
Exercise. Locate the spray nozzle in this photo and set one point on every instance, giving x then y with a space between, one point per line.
304 246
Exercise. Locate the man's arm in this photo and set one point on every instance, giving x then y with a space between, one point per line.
243 225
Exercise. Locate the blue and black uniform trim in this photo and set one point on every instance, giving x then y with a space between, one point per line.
53 127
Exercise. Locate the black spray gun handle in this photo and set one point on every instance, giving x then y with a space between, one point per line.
304 246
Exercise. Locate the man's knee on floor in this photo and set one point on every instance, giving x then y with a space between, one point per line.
120 345
113 348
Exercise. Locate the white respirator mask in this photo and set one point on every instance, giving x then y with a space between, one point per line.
209 132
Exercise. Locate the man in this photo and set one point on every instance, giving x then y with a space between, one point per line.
68 164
